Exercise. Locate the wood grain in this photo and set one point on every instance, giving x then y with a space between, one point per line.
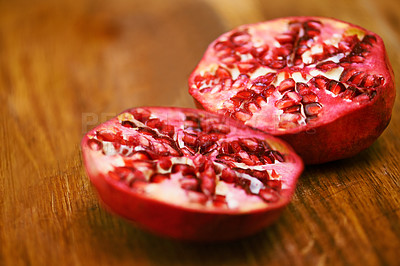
68 65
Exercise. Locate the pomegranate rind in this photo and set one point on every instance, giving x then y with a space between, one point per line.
342 129
185 221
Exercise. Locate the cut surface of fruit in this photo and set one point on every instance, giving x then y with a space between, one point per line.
323 85
190 174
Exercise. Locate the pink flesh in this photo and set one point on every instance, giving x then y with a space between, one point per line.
216 94
102 162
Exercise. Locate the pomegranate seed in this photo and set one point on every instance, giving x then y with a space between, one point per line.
278 156
142 165
207 140
190 125
198 80
261 175
219 129
141 115
282 103
168 130
362 97
269 195
268 158
129 124
369 39
154 123
293 109
140 155
330 50
336 87
184 169
228 175
235 146
208 149
158 178
294 96
285 38
228 158
310 98
245 94
190 139
138 185
327 65
283 51
187 151
276 64
147 131
244 49
189 183
94 144
358 79
265 79
244 183
173 150
302 88
312 109
274 174
165 163
219 201
350 93
109 136
242 116
258 52
320 82
239 38
313 33
268 91
114 176
196 197
249 144
224 148
247 66
128 173
222 46
356 59
347 74
255 159
208 181
241 81
289 120
226 83
287 84
378 81
274 184
230 59
223 73
312 24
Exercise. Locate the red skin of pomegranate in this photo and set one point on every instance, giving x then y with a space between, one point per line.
165 208
323 85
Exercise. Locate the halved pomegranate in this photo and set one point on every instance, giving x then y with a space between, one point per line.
323 85
189 174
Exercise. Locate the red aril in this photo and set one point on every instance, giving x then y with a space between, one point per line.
189 174
323 85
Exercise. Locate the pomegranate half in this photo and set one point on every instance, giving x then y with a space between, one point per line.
323 85
189 174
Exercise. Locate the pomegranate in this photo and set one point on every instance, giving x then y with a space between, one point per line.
323 85
189 174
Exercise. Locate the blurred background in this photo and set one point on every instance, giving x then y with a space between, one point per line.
66 66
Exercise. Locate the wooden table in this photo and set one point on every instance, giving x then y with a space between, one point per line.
68 65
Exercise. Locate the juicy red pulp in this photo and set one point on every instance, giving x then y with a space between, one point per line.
148 145
294 74
190 167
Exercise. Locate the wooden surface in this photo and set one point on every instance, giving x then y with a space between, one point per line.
68 65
